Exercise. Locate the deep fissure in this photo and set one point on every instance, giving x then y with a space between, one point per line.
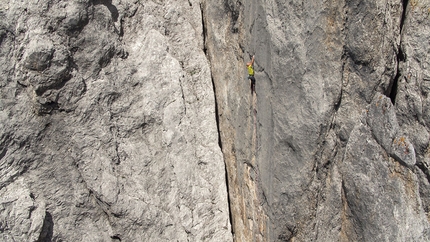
204 33
402 20
212 79
217 118
424 169
392 89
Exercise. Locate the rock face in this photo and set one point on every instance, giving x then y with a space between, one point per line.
108 127
320 153
127 120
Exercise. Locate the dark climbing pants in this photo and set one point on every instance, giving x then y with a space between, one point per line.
252 78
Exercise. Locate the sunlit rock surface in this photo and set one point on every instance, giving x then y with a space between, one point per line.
108 127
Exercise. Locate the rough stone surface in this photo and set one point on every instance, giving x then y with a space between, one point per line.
332 159
23 217
133 120
108 127
412 99
380 194
381 118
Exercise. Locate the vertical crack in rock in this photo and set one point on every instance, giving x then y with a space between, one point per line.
237 119
402 20
425 169
183 95
216 115
392 89
204 38
220 146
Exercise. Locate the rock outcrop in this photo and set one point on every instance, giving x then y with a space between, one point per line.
108 127
133 120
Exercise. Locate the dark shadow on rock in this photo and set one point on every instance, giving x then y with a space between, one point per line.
47 229
112 9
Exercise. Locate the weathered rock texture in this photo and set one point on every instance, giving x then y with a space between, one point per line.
320 153
127 120
108 127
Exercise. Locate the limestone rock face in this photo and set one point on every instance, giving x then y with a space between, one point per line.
381 195
108 127
133 120
23 217
320 153
412 99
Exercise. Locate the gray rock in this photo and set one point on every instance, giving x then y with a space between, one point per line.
381 118
135 121
412 94
320 139
107 120
381 198
22 216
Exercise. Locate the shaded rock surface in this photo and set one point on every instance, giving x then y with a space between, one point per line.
332 159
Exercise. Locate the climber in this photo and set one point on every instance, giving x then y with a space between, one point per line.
250 66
